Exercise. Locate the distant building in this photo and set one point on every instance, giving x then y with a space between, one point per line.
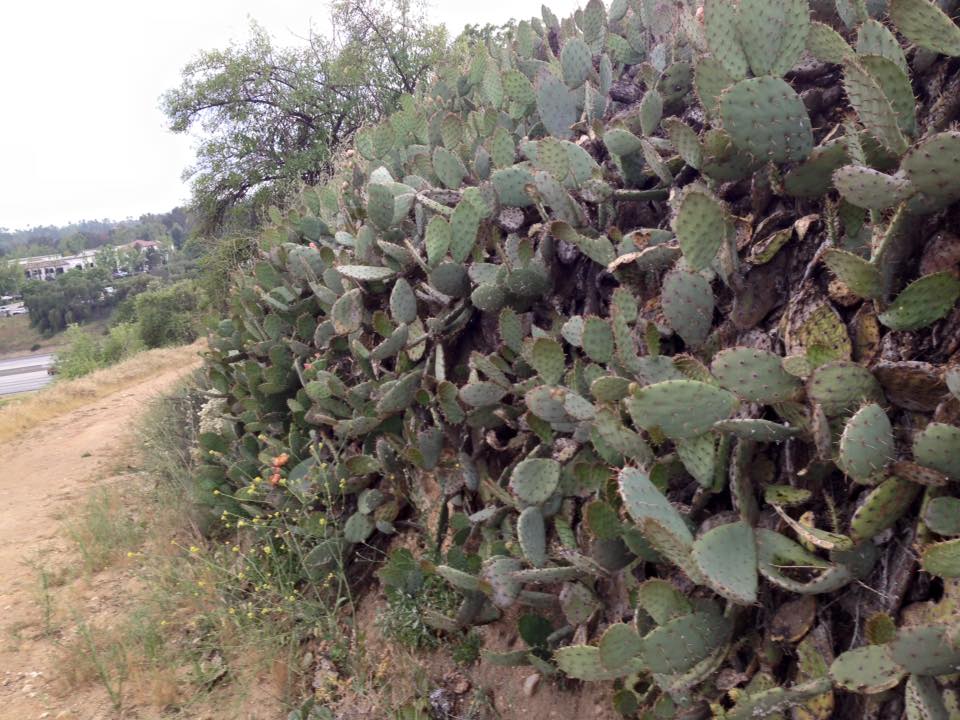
47 267
140 245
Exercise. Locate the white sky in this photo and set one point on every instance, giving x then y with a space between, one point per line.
81 133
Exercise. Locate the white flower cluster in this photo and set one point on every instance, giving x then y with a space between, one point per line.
211 415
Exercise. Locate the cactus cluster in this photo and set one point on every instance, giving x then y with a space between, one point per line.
643 295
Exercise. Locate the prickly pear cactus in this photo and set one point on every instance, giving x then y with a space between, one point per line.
664 297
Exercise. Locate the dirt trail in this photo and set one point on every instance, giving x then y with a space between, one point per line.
44 478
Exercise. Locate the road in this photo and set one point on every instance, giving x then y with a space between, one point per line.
24 374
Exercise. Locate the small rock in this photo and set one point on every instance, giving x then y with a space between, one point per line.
456 683
531 684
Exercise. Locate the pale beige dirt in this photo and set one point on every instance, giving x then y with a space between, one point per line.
45 477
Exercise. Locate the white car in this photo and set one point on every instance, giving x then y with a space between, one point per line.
11 310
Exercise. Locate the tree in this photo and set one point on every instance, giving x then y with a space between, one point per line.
11 278
274 117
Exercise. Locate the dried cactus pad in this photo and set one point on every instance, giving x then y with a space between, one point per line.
767 119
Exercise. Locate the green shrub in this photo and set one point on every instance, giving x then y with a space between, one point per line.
85 353
82 355
167 316
121 342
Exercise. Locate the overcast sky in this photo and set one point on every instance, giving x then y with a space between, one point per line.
81 133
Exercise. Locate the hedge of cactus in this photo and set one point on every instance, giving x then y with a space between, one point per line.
664 296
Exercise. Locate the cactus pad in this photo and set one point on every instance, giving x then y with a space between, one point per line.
842 386
874 108
758 430
869 188
923 699
942 559
873 38
535 480
938 447
727 558
926 25
557 104
883 506
942 515
688 305
701 224
680 408
576 61
767 119
930 166
925 650
754 375
698 456
662 601
582 662
680 644
923 302
532 534
720 24
827 45
547 358
866 446
642 500
619 647
868 669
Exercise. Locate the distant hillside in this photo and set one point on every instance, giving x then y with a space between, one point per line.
173 226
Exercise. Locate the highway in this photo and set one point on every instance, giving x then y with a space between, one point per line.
24 374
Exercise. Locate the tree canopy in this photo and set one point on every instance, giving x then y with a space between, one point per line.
272 117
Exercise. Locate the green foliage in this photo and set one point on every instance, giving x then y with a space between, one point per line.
82 355
276 116
73 297
166 316
485 291
85 353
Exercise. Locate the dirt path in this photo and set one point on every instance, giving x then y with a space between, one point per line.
44 477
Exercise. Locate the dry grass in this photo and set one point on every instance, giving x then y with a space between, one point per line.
17 337
21 414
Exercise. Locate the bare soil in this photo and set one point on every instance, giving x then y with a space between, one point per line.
47 474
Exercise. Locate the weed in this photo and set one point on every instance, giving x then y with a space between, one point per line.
46 602
467 650
105 530
104 659
403 619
